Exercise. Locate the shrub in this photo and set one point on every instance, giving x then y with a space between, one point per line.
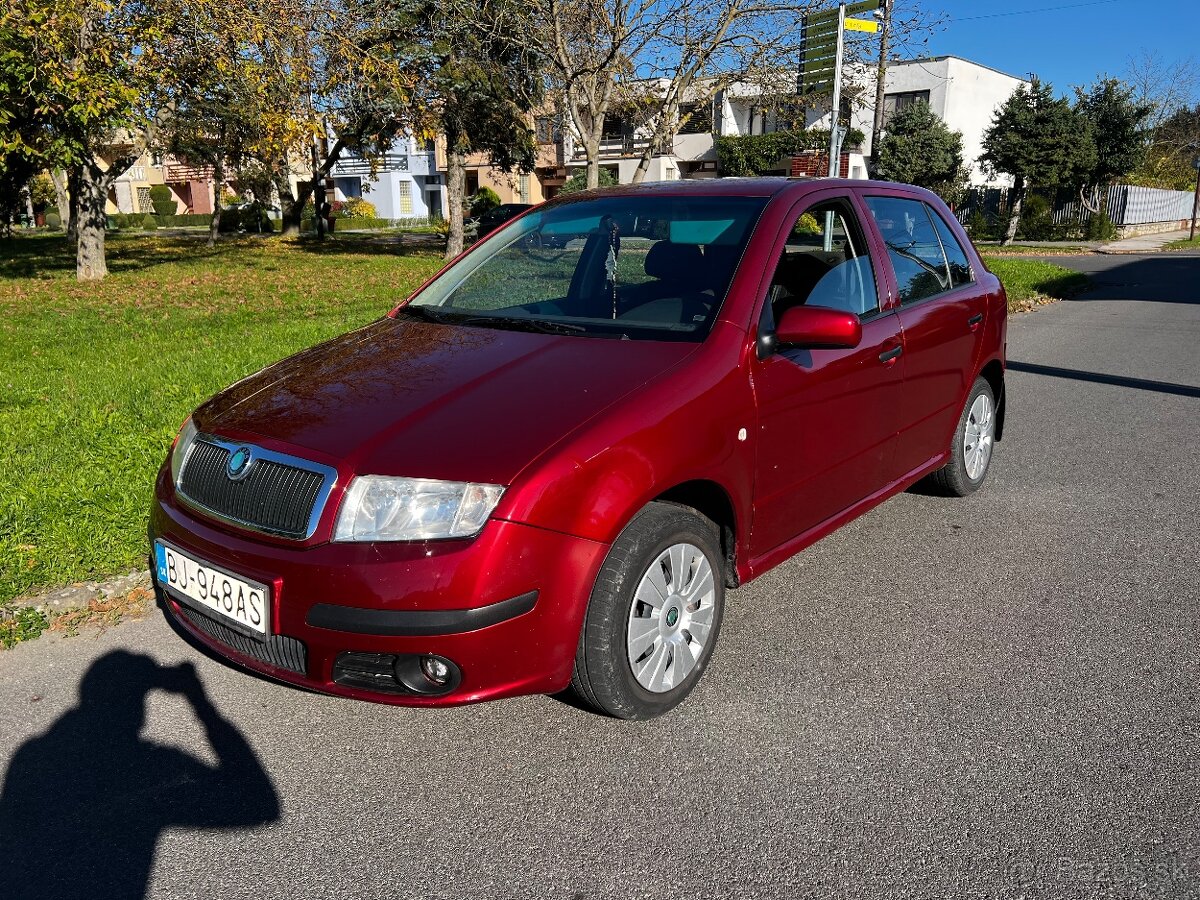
41 192
579 182
162 200
1100 228
149 223
357 208
482 201
978 226
1036 224
53 220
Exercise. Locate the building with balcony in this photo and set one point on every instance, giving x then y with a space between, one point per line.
405 183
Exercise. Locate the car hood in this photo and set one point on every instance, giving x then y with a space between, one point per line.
428 400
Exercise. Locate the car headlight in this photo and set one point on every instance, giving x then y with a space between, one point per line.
381 508
179 450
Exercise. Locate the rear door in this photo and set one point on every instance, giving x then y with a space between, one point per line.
941 316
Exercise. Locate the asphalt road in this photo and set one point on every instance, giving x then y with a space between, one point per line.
993 698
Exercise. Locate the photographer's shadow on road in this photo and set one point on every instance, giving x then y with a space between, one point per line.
84 803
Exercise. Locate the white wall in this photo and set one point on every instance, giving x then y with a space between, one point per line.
977 92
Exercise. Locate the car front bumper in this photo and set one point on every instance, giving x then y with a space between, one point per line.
505 607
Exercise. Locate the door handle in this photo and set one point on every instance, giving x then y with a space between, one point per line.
888 356
975 320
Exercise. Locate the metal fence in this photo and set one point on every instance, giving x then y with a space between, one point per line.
1127 205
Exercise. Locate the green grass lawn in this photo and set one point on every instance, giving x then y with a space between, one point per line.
96 379
1193 244
1030 282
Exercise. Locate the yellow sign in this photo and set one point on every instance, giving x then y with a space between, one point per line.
869 25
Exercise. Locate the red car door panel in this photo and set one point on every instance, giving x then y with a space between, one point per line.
827 417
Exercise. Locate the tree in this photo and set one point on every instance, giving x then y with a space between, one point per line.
483 82
1117 121
1041 141
578 182
83 83
1173 126
918 148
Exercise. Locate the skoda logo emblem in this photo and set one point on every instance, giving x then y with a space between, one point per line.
238 466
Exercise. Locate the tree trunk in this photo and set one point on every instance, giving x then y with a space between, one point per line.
74 188
1014 212
61 198
591 147
90 199
456 178
291 205
885 14
214 224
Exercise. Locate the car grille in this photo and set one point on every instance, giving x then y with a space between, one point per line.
278 650
273 497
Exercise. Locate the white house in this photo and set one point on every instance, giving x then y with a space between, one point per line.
406 183
964 94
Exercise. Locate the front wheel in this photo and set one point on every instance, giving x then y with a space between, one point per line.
654 615
971 450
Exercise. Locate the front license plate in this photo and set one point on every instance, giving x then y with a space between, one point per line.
244 603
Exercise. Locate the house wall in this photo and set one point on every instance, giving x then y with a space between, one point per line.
977 92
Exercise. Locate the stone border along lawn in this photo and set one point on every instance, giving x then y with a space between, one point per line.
97 379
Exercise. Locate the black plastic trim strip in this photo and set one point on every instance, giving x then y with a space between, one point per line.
416 623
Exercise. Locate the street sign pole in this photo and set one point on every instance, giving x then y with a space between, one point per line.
835 144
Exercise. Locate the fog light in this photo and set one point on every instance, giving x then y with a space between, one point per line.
435 669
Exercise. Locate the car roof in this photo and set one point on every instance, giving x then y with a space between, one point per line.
732 187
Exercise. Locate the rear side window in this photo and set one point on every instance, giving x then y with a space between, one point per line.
913 247
956 256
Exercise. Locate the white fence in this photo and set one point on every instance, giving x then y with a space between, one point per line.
1128 206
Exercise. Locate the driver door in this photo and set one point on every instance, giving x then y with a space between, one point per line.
828 419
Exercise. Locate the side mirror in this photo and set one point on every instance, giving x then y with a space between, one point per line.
818 327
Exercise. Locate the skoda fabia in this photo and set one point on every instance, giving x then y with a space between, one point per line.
549 466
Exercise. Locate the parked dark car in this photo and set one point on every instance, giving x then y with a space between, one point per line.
497 216
547 467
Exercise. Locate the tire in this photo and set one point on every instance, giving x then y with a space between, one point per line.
673 641
972 446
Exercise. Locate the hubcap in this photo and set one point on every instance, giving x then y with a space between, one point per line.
978 437
671 618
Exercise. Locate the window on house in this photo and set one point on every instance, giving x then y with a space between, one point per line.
144 205
404 195
893 103
701 121
524 188
547 129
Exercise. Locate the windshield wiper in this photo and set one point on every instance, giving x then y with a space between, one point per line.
520 323
424 312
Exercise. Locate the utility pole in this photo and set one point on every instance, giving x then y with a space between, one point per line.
885 33
835 143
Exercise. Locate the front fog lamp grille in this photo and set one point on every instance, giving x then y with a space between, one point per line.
389 673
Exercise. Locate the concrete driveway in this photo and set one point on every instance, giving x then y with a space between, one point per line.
991 698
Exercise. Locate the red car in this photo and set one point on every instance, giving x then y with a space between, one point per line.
547 467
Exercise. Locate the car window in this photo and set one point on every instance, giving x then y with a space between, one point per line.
956 256
825 262
616 266
913 247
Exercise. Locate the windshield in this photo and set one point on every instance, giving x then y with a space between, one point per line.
647 267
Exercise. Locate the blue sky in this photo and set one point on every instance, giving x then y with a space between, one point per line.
1066 46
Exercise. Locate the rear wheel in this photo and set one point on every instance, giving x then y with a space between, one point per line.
654 615
971 450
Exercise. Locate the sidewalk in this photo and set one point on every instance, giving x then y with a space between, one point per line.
1146 243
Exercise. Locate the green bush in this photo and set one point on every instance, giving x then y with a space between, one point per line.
1036 224
746 155
979 226
579 182
149 223
163 200
483 201
1100 228
53 220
